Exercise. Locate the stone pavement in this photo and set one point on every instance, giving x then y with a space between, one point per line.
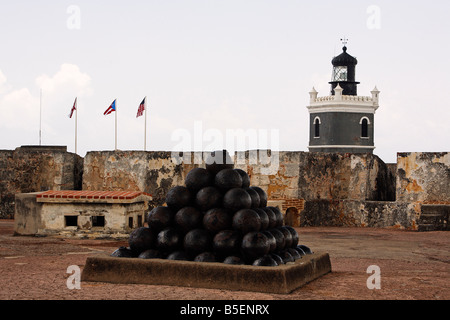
412 265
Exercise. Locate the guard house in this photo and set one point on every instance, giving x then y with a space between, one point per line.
343 122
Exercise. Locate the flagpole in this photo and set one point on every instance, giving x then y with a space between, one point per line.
116 125
145 130
40 119
76 126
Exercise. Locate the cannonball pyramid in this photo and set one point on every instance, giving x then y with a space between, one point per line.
216 217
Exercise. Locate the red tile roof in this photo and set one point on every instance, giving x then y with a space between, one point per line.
94 195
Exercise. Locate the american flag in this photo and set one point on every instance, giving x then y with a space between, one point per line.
141 109
74 108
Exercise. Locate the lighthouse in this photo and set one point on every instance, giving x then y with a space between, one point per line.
343 121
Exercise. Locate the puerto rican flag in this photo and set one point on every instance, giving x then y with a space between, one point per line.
111 109
141 109
74 108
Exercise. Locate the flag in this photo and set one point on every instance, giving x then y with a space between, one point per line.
74 108
111 109
141 109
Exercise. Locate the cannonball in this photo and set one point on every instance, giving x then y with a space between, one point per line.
228 179
278 215
265 261
262 196
295 236
272 240
178 255
294 253
255 245
141 239
123 252
255 197
197 241
300 251
277 258
160 218
245 178
226 242
178 197
205 257
264 218
272 217
168 240
246 220
287 237
286 256
197 179
306 249
217 161
237 199
279 237
217 219
189 218
234 260
208 198
151 254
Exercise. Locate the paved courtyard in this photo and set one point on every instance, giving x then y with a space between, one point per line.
413 266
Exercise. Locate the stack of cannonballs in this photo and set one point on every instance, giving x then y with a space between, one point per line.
216 217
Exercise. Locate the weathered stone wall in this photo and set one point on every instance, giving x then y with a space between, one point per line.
33 169
423 177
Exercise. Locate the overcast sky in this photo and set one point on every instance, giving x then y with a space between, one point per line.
208 66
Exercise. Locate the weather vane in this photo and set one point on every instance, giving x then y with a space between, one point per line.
344 41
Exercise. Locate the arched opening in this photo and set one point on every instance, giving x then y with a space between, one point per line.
317 127
364 127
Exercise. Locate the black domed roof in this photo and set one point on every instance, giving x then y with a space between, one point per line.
344 59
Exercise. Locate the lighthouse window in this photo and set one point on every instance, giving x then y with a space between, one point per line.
340 74
317 128
364 128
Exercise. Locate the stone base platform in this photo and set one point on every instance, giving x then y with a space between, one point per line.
282 279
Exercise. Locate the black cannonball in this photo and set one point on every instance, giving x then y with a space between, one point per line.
178 197
277 258
294 253
228 179
168 240
217 219
206 257
208 198
306 249
237 199
234 260
278 215
286 256
245 178
188 218
178 255
255 197
141 239
123 252
227 242
279 237
217 161
151 254
295 236
262 196
198 178
265 261
197 241
287 237
300 251
272 240
246 220
255 245
264 218
160 218
272 217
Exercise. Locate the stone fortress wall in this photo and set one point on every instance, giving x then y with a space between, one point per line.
315 189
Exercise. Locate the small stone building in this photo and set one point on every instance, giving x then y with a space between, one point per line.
84 214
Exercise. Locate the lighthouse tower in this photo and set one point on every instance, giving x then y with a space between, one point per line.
343 122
